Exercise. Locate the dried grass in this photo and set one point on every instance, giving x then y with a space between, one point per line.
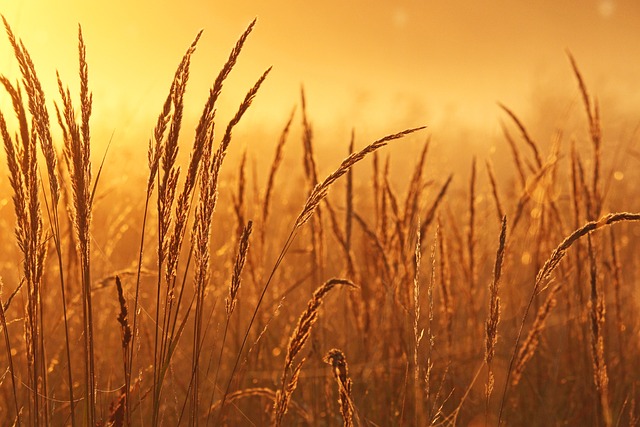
340 370
297 341
523 353
7 341
493 314
597 317
170 328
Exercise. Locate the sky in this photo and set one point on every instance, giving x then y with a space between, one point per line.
380 65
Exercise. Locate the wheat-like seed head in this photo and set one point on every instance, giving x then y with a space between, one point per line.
416 187
321 189
241 258
525 134
493 316
529 346
275 165
123 316
298 339
494 190
340 370
431 212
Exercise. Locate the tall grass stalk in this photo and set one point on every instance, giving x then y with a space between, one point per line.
493 316
297 341
318 194
77 152
155 153
162 154
597 323
542 278
201 236
417 332
7 341
232 300
24 179
340 369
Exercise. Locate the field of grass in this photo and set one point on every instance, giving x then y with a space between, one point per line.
211 295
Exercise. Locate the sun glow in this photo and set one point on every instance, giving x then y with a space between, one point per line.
457 58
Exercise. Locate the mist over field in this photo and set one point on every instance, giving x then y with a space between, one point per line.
352 214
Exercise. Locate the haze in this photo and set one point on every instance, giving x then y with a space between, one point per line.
380 65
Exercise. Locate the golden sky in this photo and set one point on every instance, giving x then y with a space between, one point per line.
382 64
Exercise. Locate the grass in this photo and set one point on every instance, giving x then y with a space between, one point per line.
523 314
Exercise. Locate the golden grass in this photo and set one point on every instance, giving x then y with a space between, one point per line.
160 348
297 341
338 362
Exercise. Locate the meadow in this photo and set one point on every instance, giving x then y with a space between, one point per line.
366 292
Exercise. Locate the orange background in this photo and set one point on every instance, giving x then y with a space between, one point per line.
375 64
